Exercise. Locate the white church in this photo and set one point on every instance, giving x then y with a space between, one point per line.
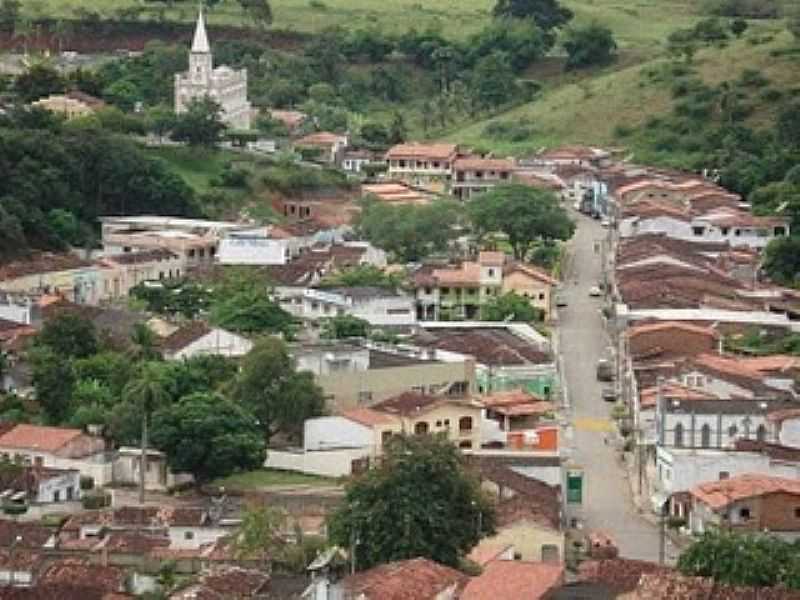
226 86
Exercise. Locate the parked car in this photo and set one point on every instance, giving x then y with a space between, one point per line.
561 301
605 370
595 291
609 394
604 222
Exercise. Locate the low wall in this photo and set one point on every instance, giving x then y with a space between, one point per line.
326 463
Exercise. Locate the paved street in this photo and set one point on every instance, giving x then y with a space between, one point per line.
607 505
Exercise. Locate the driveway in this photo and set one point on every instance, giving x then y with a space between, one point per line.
607 504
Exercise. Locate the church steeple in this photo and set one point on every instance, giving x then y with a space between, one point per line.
200 44
200 60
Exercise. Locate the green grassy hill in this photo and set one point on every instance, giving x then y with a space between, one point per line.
593 107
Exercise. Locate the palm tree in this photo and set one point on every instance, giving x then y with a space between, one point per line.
143 342
147 391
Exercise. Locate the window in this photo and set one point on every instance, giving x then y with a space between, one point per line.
188 535
705 436
732 431
70 493
445 290
386 436
797 513
737 232
364 397
698 231
679 435
447 422
57 496
744 513
491 272
421 428
465 424
465 444
724 475
201 253
541 295
779 231
761 433
438 423
725 230
428 290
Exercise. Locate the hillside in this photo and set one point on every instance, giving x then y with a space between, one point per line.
593 107
641 24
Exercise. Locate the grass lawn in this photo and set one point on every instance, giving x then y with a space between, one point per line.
637 23
197 167
264 478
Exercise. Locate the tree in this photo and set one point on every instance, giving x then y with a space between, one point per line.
38 81
123 94
548 14
344 326
159 120
244 305
589 45
409 232
146 391
259 10
200 125
419 501
143 343
397 129
738 26
525 214
788 125
743 559
9 13
782 260
261 533
53 379
510 307
493 81
62 31
269 386
208 436
362 275
69 335
793 23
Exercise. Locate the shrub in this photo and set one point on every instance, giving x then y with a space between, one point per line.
753 78
87 483
771 95
622 131
12 508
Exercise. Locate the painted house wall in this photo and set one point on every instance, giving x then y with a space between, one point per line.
216 342
324 433
528 538
60 489
194 537
535 290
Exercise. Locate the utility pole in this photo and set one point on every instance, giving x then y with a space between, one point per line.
662 534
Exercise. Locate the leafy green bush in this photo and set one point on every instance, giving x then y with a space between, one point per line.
96 500
87 483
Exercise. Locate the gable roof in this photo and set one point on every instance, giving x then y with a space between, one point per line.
619 575
719 494
185 335
514 579
413 403
39 437
530 271
367 417
476 163
414 579
673 585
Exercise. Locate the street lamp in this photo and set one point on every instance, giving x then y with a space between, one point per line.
479 517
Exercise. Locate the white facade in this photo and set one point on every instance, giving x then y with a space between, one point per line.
244 249
680 470
789 432
377 308
158 475
708 429
335 359
217 342
189 538
226 86
63 487
354 164
327 433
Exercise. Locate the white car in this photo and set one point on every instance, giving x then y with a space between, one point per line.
595 291
605 222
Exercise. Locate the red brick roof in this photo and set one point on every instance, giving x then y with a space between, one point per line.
321 138
476 163
620 575
415 579
70 570
674 586
514 579
38 437
41 262
185 335
33 535
719 494
367 416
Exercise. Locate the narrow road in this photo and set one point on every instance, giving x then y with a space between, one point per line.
607 504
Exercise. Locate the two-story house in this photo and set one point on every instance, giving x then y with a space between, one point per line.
421 163
474 175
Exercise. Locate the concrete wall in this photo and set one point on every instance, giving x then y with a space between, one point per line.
680 471
790 432
325 433
194 537
235 250
60 486
329 361
329 463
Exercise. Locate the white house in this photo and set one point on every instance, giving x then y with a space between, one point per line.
198 338
57 448
39 485
377 306
257 247
158 475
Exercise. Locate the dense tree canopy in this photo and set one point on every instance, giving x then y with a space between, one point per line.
208 436
742 559
525 214
409 232
510 307
548 14
782 260
200 125
419 501
69 335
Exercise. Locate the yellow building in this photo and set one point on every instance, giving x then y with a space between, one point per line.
71 104
529 282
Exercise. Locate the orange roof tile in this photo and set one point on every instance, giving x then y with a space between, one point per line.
415 579
671 325
672 391
367 416
476 163
719 494
531 271
48 439
468 274
321 138
440 151
779 416
514 579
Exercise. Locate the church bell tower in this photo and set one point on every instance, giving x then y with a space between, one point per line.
200 60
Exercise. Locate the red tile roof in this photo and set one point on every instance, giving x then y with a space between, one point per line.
476 163
719 494
674 586
367 416
70 570
530 271
38 437
415 579
41 262
491 258
437 151
620 575
321 138
671 326
514 579
185 335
